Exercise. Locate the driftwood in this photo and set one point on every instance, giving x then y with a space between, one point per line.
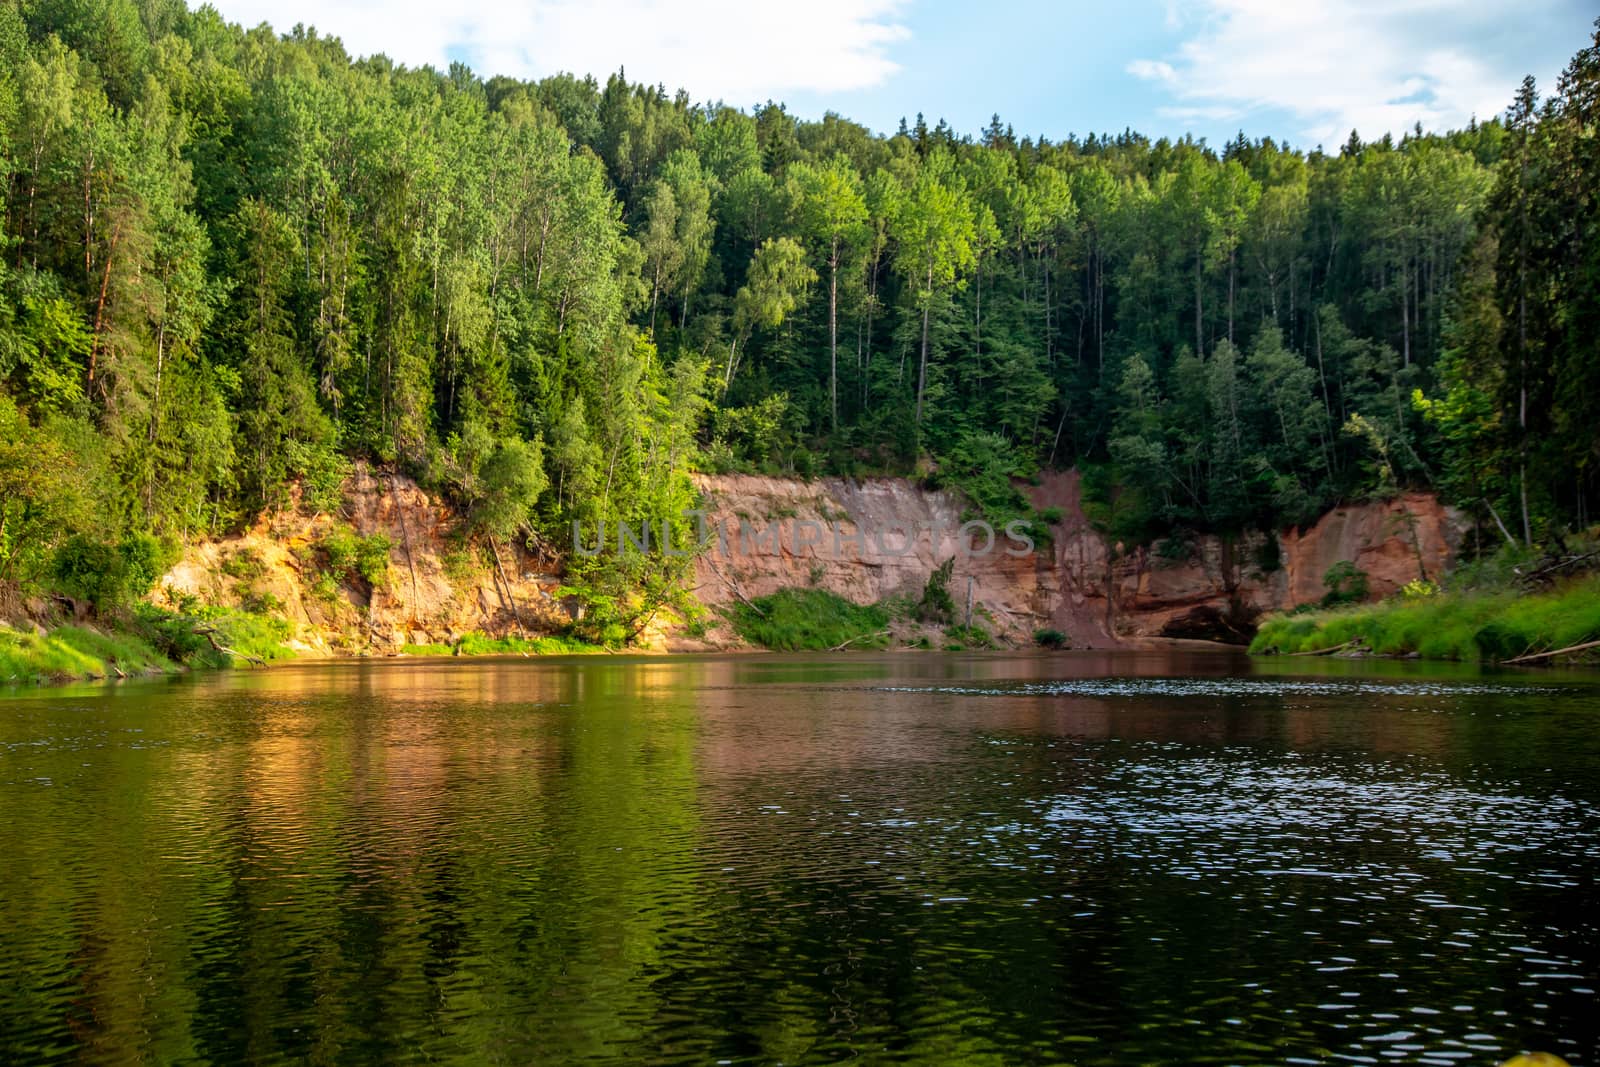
858 637
1555 652
210 634
1329 650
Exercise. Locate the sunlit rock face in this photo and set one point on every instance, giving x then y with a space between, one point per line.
1209 588
865 540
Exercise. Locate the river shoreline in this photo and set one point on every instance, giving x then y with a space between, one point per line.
139 661
1561 624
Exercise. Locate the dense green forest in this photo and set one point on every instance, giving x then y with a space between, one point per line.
233 261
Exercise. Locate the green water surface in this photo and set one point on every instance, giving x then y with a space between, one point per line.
1070 858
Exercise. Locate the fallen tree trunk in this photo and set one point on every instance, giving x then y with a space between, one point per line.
210 634
1555 652
859 637
1330 650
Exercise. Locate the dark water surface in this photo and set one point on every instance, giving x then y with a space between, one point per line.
766 859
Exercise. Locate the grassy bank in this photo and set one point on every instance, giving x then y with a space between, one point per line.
814 620
1468 626
147 642
476 644
797 620
75 652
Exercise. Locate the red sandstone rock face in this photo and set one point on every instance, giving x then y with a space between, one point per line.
1062 585
1214 591
422 601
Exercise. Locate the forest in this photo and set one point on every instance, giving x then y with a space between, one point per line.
233 262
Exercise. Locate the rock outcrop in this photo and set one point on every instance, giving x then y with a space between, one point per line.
437 586
865 540
1097 594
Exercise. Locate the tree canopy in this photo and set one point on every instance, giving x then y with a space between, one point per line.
233 259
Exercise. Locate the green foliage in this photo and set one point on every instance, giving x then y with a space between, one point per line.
793 620
433 649
476 644
75 652
348 556
967 638
109 577
936 604
985 467
1345 584
235 261
621 593
1467 626
1049 638
244 564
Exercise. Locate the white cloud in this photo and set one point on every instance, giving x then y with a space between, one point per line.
1153 70
738 50
1371 65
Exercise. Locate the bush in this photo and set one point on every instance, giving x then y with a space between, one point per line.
1048 638
476 644
937 605
109 577
1346 584
350 557
245 565
962 638
74 652
1462 626
810 619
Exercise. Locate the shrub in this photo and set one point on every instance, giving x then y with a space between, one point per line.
936 604
810 619
350 557
108 576
961 638
1346 584
1048 638
1463 626
245 565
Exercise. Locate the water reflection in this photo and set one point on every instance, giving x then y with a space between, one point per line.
1091 859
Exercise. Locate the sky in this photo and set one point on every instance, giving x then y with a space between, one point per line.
1305 71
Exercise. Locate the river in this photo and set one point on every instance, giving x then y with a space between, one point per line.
899 857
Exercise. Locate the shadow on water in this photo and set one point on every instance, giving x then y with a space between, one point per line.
1089 858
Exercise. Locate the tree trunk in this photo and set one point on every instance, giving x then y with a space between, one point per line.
1231 273
833 333
922 368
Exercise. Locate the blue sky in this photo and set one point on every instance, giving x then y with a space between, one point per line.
1302 70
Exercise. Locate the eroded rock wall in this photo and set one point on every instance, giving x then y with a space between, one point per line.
438 588
1097 594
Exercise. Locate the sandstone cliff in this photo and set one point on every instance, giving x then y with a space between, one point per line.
1097 594
438 587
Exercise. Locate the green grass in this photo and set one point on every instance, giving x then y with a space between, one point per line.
147 641
434 649
793 620
476 644
75 652
1459 626
261 636
967 638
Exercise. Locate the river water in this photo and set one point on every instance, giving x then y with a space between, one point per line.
1079 858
